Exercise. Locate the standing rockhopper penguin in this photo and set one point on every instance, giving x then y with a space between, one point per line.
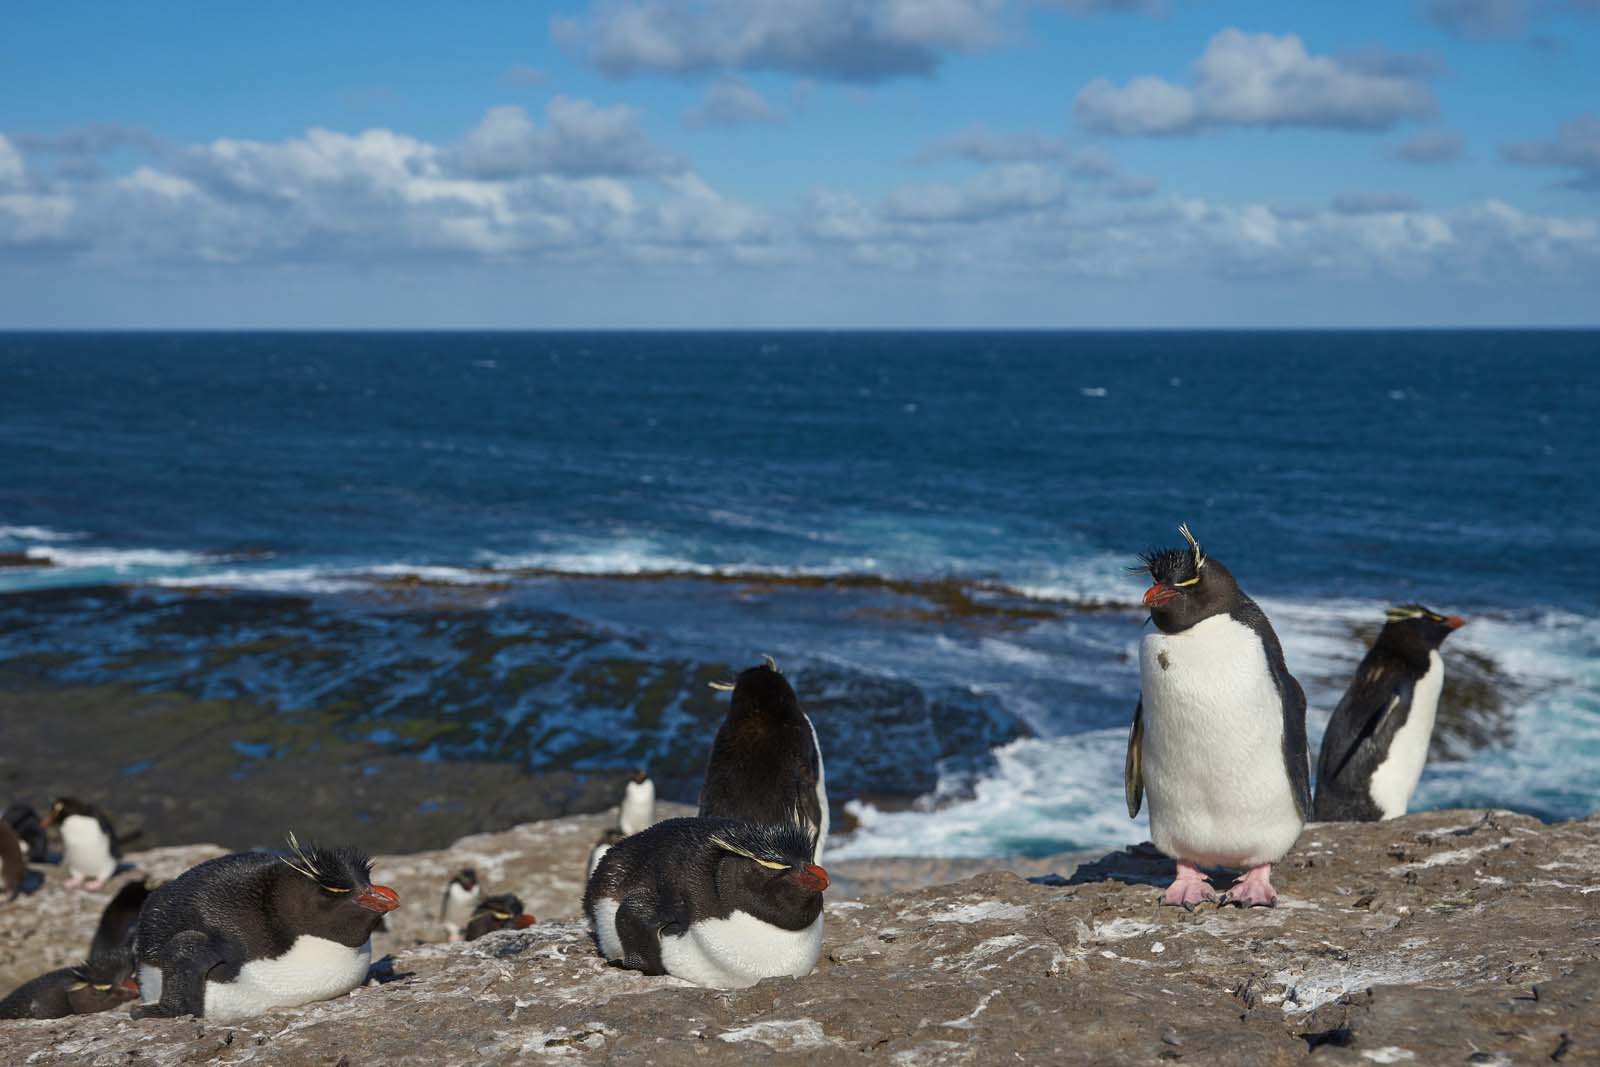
243 934
89 847
638 804
717 902
1377 740
1219 734
766 765
460 898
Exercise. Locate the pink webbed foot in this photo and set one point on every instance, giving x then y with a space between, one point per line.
74 882
95 884
1254 890
1191 887
455 935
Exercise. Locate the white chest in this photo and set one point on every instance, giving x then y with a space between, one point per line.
1213 747
605 927
739 951
85 848
638 807
458 904
313 969
1396 777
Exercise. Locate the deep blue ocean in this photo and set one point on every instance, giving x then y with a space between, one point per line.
1334 472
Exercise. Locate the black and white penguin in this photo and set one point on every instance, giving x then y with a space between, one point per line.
30 830
13 868
602 846
119 921
92 987
503 912
89 847
766 765
460 898
243 934
1377 740
638 804
718 902
1219 734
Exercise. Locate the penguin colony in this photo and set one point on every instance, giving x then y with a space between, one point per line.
733 895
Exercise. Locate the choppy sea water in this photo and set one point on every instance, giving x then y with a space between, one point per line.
673 493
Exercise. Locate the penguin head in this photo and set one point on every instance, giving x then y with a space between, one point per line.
64 808
503 912
329 893
611 837
103 983
767 864
639 776
466 878
760 688
1417 627
1189 585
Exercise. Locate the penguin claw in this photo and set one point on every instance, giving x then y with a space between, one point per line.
1253 890
1189 888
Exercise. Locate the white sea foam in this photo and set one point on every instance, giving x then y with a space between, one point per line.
38 533
120 560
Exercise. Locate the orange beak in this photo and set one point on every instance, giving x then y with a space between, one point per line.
1158 595
1455 622
524 921
380 898
812 877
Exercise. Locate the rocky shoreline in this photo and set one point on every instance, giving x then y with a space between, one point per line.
1442 937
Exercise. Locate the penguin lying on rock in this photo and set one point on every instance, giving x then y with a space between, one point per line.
99 985
1219 734
89 847
460 898
718 902
1377 740
503 912
243 934
766 765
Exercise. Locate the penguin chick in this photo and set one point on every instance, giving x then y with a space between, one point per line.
13 869
766 765
638 804
89 846
1219 734
1377 739
243 934
25 821
718 902
96 986
607 839
503 912
460 898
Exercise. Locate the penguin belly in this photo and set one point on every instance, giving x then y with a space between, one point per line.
1395 778
313 969
822 796
85 848
604 921
597 854
1213 747
638 807
458 907
739 951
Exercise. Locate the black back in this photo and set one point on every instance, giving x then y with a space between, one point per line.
494 913
119 922
12 868
1372 711
69 991
258 903
764 763
25 821
65 807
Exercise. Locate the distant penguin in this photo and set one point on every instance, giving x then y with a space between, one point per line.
503 912
13 868
83 990
766 765
25 821
607 839
1219 735
638 804
460 898
718 902
1377 740
89 847
119 921
243 934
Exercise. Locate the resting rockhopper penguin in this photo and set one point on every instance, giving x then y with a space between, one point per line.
1377 739
460 898
1219 734
242 934
99 985
89 847
717 902
766 765
502 912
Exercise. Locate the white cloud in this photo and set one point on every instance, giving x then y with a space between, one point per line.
1371 203
1260 79
1014 189
731 102
1576 149
579 138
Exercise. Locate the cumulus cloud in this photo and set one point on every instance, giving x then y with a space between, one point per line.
731 102
1428 147
1255 79
1008 190
1576 148
841 40
579 137
1370 203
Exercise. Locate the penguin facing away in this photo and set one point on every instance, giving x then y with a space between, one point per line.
607 839
89 988
766 765
502 912
13 868
25 821
638 804
1219 735
89 847
119 921
240 935
1377 739
718 902
460 898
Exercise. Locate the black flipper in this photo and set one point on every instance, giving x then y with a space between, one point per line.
188 961
1381 722
641 939
1133 769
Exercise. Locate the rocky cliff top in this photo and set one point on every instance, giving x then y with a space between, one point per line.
1445 937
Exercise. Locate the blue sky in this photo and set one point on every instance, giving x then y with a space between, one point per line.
635 163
